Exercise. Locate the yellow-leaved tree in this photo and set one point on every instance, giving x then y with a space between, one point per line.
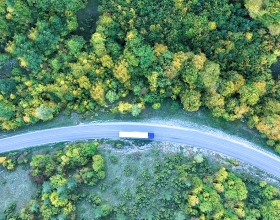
97 93
121 71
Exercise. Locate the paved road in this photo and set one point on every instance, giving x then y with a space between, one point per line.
238 150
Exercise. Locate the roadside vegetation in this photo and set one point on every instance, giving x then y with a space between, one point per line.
201 54
112 180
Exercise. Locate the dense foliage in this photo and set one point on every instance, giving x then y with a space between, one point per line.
202 53
177 187
60 177
169 187
267 12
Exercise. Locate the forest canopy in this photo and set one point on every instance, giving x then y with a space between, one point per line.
201 53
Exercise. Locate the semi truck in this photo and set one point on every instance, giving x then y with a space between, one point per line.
136 134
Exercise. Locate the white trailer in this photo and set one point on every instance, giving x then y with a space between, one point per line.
136 134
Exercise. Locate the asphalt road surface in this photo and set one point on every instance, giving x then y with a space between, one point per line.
259 158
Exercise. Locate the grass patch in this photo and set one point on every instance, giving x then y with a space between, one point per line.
16 186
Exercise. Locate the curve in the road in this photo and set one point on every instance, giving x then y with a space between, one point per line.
259 158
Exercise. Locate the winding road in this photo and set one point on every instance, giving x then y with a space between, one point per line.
241 151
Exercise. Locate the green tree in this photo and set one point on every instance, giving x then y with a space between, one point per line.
7 86
20 13
135 111
277 148
267 12
271 210
7 111
112 96
191 100
75 44
215 102
98 163
42 165
249 94
4 30
60 7
45 112
146 55
57 181
98 43
209 75
269 125
235 188
226 88
190 75
270 192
